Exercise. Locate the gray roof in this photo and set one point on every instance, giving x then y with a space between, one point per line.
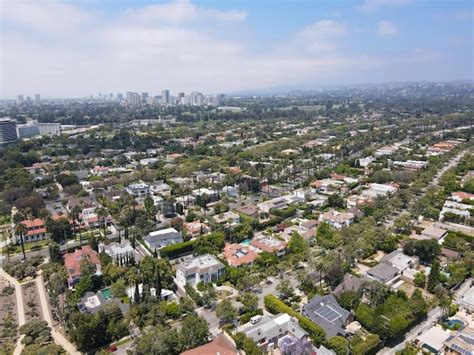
390 256
326 312
383 271
102 301
350 283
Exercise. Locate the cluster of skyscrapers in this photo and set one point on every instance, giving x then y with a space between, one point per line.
193 99
21 99
10 130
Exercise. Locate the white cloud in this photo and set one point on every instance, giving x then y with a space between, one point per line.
58 49
180 11
374 5
322 36
386 28
45 15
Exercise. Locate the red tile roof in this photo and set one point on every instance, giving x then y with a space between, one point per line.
221 345
35 223
72 261
237 254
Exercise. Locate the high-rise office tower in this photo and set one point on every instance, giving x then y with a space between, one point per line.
19 99
133 98
37 98
144 97
120 97
165 97
8 131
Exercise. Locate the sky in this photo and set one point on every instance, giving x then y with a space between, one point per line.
78 48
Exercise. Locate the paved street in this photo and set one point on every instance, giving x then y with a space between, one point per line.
451 163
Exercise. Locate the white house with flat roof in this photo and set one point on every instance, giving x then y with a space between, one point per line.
162 238
203 268
138 189
118 251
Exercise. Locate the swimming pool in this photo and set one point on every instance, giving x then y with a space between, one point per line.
106 293
451 323
246 242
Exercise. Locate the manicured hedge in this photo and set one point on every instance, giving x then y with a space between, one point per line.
175 250
275 305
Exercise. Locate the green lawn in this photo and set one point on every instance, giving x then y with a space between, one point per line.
32 246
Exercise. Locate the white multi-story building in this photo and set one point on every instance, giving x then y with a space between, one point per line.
337 219
138 190
161 238
118 251
204 268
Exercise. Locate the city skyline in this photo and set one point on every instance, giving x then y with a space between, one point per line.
74 48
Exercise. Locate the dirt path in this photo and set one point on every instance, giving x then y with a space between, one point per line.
20 307
59 338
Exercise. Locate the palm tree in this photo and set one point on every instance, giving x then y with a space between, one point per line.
102 215
74 214
21 230
320 268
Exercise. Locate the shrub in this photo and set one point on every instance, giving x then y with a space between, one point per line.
175 250
195 296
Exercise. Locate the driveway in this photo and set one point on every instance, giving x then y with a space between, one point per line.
211 318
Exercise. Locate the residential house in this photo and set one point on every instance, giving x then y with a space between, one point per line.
434 233
337 219
72 263
399 260
365 162
384 273
411 164
432 340
467 301
328 314
35 231
460 343
248 210
100 170
196 228
376 190
204 268
229 218
278 331
161 188
232 191
138 190
269 244
356 201
349 283
238 255
119 251
93 302
460 196
211 195
161 238
166 295
223 344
